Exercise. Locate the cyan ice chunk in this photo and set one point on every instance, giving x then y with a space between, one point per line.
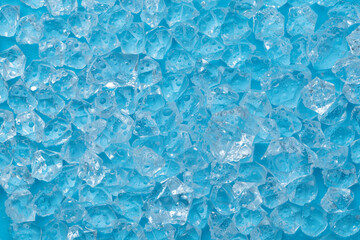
30 125
9 17
342 177
49 103
301 21
153 12
7 125
287 159
62 7
158 42
345 224
331 156
303 190
56 132
314 220
318 95
234 28
46 165
12 63
354 42
287 217
337 199
81 23
20 99
35 4
132 39
180 12
30 30
47 201
53 51
77 54
210 23
14 178
97 6
268 23
19 207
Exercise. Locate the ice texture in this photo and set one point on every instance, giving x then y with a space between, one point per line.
179 119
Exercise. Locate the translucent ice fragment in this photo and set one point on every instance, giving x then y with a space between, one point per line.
81 23
179 61
199 212
56 132
37 74
20 99
313 221
9 17
311 134
89 196
67 181
287 159
301 20
134 6
342 177
234 28
209 49
336 113
12 63
19 207
283 88
55 230
286 120
348 70
328 44
349 11
170 204
132 39
14 178
64 82
49 103
116 19
186 34
236 55
26 230
287 217
268 23
29 30
173 85
340 134
54 28
147 162
331 156
352 93
353 41
97 6
30 125
337 199
211 22
35 4
53 51
149 73
345 224
158 42
46 165
153 12
47 200
62 7
70 211
7 125
246 220
236 79
181 12
91 169
102 41
318 95
77 54
303 190
224 199
266 230
22 149
102 218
